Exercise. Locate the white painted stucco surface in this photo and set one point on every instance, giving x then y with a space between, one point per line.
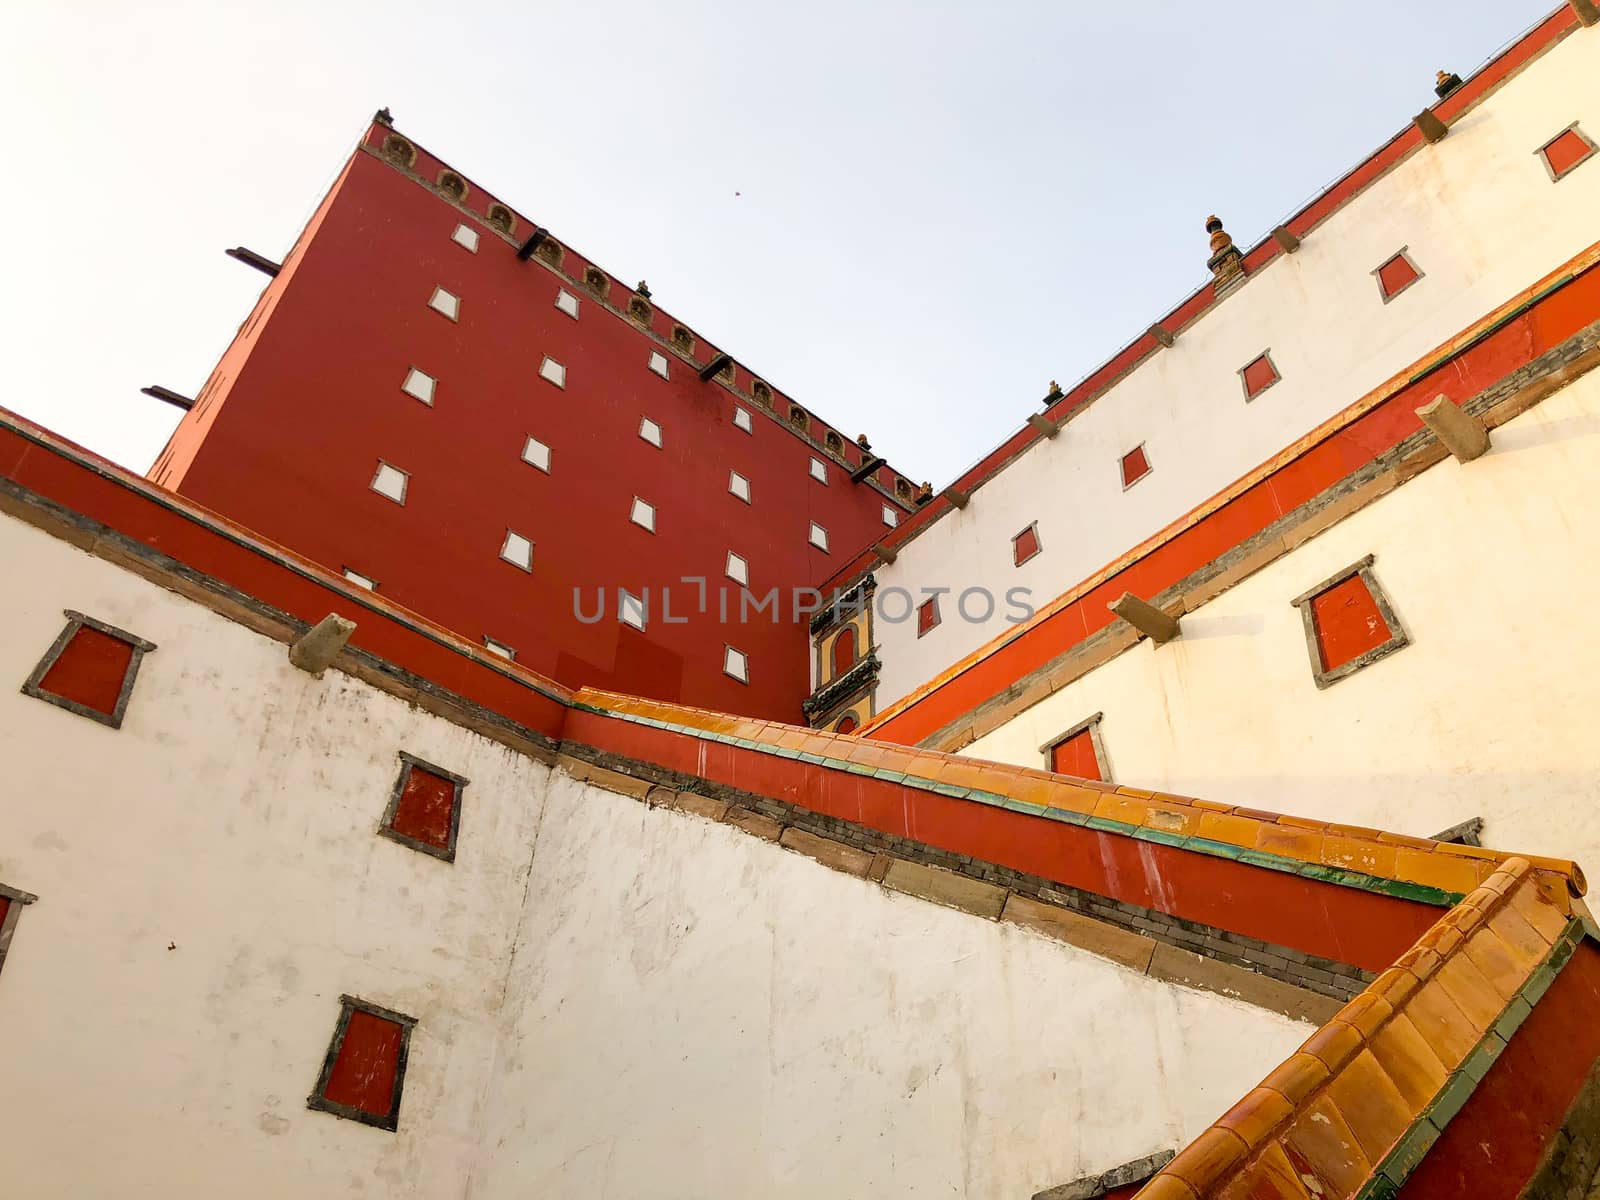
709 1016
1492 569
1480 217
689 1012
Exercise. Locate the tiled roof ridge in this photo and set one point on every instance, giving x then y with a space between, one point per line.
1322 849
1354 1110
1353 856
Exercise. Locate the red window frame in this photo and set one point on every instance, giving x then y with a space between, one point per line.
1135 466
413 817
90 670
1259 374
1025 545
363 1074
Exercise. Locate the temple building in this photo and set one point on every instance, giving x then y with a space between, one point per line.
507 746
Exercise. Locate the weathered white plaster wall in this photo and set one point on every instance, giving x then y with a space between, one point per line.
690 1011
1491 567
701 1014
1481 219
233 817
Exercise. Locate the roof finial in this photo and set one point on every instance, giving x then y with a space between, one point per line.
1226 262
1445 83
643 289
861 440
384 117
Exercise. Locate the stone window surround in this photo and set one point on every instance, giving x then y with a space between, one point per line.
75 622
1555 176
1038 544
1149 467
1398 638
19 900
1277 375
1092 726
318 1100
1405 253
407 763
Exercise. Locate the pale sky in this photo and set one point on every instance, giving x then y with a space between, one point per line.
910 217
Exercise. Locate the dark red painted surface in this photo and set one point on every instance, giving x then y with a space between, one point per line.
293 436
1173 556
1025 545
1076 757
369 1058
5 911
1364 928
90 670
1347 622
1566 152
1396 274
1135 466
1259 374
427 802
1493 1146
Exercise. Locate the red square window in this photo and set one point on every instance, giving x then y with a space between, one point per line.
1135 466
1025 545
425 808
1077 755
1258 375
927 615
365 1068
1396 275
1349 623
89 670
1565 151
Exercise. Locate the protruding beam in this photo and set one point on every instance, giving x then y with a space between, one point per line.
713 368
259 261
525 251
1463 434
957 497
871 464
1468 833
1433 129
1286 240
169 396
1588 14
1145 617
1162 334
1043 424
320 645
